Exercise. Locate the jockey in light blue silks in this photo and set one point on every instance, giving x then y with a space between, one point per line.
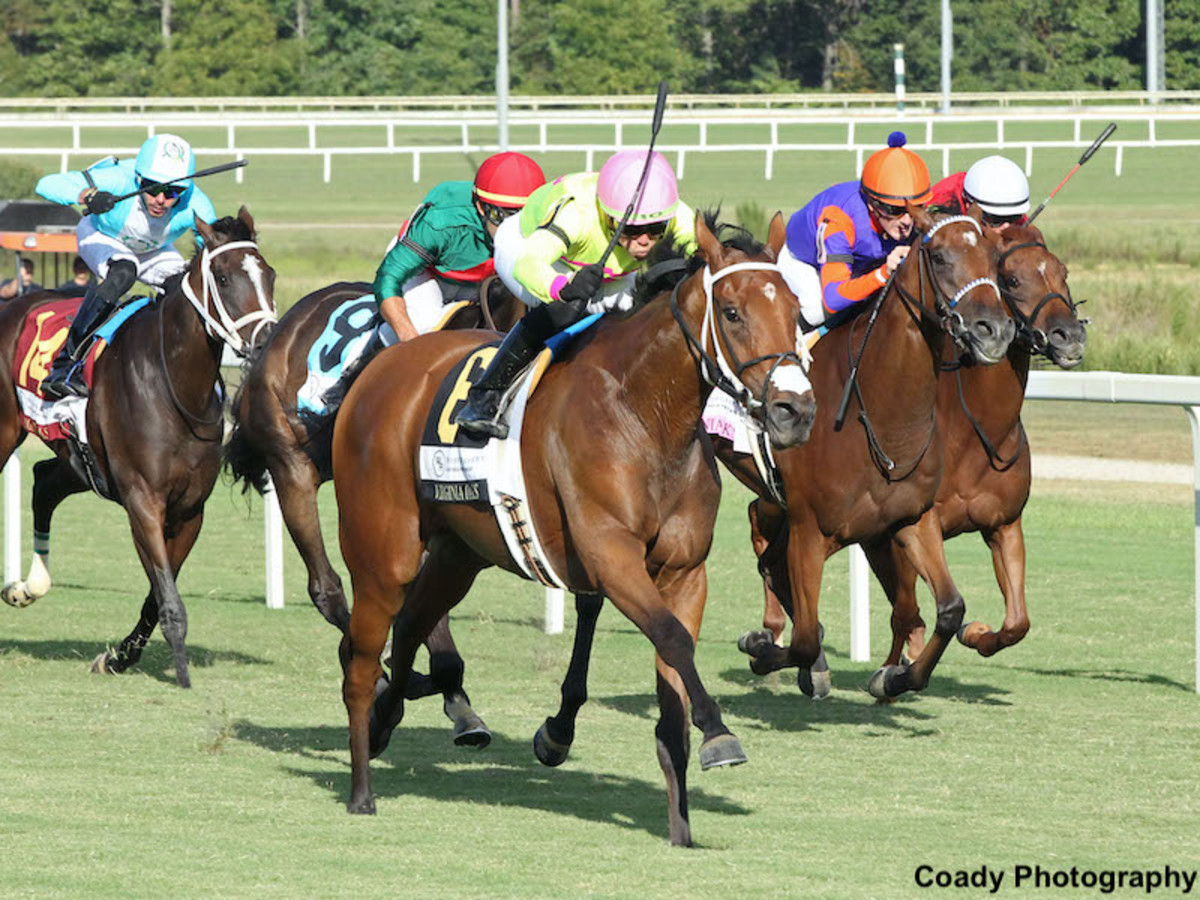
127 240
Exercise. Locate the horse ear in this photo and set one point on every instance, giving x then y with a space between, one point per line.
922 220
973 210
206 233
708 244
776 235
244 215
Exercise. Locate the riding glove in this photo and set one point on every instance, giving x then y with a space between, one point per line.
100 203
584 285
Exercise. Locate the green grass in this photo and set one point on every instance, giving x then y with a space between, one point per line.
1075 748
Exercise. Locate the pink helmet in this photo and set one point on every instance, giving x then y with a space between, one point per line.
619 180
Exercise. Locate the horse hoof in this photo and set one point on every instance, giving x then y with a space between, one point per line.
361 807
816 685
100 665
723 750
752 642
970 633
469 731
549 751
17 595
378 739
887 682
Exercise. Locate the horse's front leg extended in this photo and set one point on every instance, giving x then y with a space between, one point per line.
53 480
923 546
766 525
553 740
1007 544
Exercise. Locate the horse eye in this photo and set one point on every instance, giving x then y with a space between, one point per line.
222 281
731 314
937 258
1012 281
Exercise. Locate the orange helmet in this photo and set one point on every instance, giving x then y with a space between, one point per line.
507 179
895 175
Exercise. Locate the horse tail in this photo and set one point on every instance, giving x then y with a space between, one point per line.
245 461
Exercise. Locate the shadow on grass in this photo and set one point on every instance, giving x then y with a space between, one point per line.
423 762
156 660
1114 675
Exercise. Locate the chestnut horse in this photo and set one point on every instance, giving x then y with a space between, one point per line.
623 489
875 482
155 420
987 477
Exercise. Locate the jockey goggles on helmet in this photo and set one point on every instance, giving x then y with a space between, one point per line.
495 215
888 210
655 229
154 189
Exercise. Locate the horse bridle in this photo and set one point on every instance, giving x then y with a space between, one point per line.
223 325
718 371
1027 330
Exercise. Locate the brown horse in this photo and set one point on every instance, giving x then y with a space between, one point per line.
272 437
154 426
623 489
986 481
876 482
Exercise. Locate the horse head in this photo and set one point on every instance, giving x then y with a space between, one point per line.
751 328
230 284
957 262
1034 284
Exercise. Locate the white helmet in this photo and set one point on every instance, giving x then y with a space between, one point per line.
998 185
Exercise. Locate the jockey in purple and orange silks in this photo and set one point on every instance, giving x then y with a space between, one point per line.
842 246
548 256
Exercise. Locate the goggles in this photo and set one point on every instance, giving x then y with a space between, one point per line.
495 215
154 189
994 221
654 229
888 211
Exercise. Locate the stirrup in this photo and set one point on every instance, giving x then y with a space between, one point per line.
63 383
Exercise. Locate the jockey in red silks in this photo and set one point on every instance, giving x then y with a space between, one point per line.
549 258
842 246
445 249
995 184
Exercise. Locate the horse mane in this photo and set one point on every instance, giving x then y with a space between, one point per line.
660 275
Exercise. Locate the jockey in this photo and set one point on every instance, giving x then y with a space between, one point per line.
995 184
842 246
549 257
124 240
445 249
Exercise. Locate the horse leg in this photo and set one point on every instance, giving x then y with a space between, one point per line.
553 740
146 518
114 662
446 669
296 486
899 582
922 545
1007 544
53 481
633 592
774 617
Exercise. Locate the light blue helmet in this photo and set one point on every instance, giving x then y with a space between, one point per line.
165 157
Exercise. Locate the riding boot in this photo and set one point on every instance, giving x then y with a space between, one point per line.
66 372
480 414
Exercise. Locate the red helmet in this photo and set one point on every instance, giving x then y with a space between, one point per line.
507 179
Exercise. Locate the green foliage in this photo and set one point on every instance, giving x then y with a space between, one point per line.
17 179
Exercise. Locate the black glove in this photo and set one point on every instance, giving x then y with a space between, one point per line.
100 202
584 286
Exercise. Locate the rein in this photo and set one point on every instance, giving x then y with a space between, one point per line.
193 420
725 374
942 313
998 462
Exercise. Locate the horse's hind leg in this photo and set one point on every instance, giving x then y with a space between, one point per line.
296 486
129 651
898 579
53 480
1008 558
446 670
553 740
922 544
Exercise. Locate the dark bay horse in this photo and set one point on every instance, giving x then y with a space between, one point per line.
155 421
272 437
623 489
986 480
874 480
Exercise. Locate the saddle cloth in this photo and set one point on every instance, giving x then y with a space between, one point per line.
349 332
459 467
43 334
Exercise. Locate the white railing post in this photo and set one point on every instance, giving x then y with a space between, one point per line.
1193 412
860 607
273 527
555 598
12 518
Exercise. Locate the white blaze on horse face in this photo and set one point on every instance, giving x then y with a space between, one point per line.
971 238
1041 267
791 379
769 291
255 273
